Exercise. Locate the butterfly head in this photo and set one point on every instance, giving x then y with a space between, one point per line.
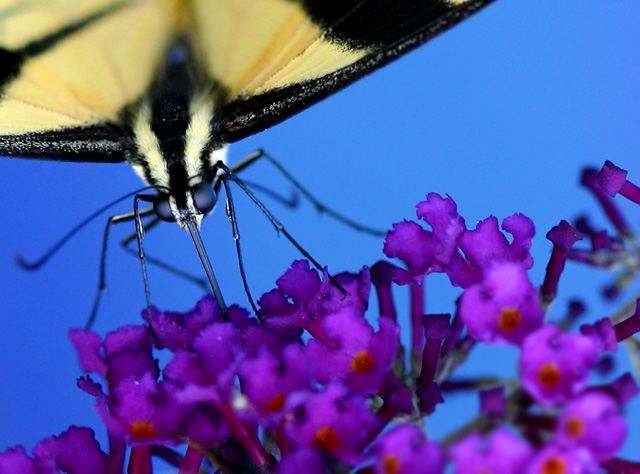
175 155
192 205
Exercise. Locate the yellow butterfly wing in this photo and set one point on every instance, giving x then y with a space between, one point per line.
277 57
69 63
69 69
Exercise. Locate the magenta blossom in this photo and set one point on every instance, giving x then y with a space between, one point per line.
501 452
503 307
554 365
585 419
405 450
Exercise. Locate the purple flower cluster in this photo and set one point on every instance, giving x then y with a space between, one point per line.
312 386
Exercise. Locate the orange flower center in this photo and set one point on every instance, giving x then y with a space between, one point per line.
575 427
554 465
143 429
276 403
390 464
362 362
509 319
549 375
327 440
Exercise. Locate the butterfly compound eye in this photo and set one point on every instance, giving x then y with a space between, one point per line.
204 198
162 208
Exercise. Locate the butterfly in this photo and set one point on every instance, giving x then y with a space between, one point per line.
165 85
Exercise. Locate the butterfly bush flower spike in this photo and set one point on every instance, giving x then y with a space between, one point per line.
323 382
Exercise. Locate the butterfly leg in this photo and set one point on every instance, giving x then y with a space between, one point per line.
320 207
231 214
126 244
102 285
140 236
228 173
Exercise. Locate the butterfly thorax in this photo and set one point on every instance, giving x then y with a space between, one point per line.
172 132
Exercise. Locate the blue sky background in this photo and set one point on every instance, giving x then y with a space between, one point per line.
501 113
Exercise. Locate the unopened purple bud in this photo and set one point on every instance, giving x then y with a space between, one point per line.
630 326
614 181
563 236
603 333
590 180
624 388
492 402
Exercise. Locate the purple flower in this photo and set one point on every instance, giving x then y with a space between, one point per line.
332 422
295 300
308 460
77 451
219 349
436 329
177 330
135 407
503 307
302 299
501 452
584 421
424 251
74 452
554 365
16 460
486 245
143 411
267 380
124 353
212 362
350 351
554 458
405 450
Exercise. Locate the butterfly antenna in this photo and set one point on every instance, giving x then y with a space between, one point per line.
60 243
204 258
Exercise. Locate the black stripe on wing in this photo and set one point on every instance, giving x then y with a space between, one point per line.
95 143
364 24
12 61
394 28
